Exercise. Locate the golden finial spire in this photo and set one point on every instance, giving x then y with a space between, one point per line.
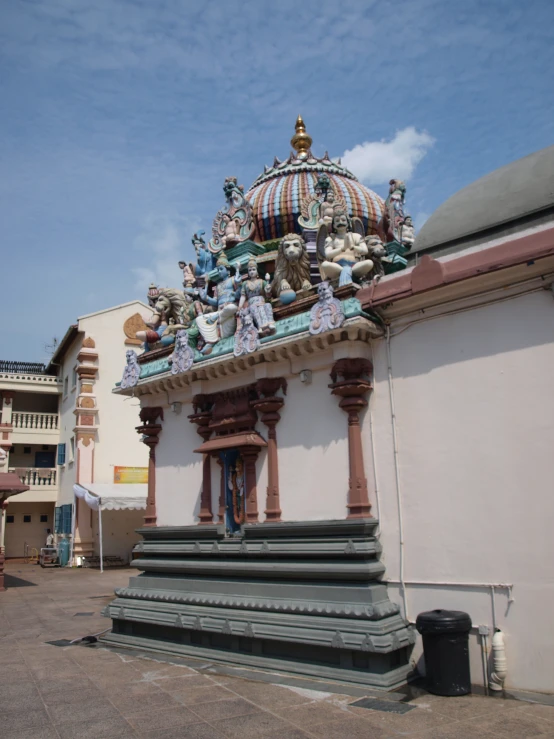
301 141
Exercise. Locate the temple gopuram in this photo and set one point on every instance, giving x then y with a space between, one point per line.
259 541
325 395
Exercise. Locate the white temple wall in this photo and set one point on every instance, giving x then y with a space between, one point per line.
475 425
179 470
313 452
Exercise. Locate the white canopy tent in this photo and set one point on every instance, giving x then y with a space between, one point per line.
105 497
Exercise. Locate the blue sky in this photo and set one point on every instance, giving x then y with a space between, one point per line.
121 119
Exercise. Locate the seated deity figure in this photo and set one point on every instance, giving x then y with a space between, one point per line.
344 252
257 292
220 323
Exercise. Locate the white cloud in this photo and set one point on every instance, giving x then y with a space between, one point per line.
377 162
166 241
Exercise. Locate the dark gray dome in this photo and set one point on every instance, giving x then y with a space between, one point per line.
511 198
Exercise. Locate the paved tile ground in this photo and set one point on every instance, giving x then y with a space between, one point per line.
49 692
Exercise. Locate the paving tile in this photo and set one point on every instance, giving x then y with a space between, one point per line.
189 682
223 709
312 713
267 694
355 728
191 731
12 722
132 704
536 709
94 709
36 732
520 724
204 694
252 725
18 702
163 719
10 689
291 734
420 719
66 685
102 729
70 698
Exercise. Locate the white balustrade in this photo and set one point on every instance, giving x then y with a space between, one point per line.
35 421
36 476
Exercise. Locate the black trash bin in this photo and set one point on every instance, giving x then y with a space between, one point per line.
446 651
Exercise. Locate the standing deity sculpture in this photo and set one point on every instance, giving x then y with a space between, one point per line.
407 232
205 260
292 268
234 222
377 253
220 323
327 313
256 293
342 252
235 482
395 225
131 373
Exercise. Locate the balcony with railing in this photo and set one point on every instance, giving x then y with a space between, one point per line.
42 482
34 421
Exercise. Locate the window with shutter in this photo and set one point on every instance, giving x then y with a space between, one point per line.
61 454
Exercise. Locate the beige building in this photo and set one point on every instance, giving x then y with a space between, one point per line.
62 425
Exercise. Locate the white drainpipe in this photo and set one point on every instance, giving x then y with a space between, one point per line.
499 663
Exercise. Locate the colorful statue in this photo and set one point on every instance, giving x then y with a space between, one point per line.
205 260
292 268
235 483
246 335
233 223
220 323
327 313
131 373
257 291
189 280
394 217
407 232
183 356
343 252
319 207
172 311
377 253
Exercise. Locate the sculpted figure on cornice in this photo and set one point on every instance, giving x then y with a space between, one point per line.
183 356
255 294
395 224
327 313
342 251
221 322
233 223
292 268
131 373
246 335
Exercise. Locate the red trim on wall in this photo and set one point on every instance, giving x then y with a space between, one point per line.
431 273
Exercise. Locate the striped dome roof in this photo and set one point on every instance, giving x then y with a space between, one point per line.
277 194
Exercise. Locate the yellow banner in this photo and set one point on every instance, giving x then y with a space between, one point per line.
130 475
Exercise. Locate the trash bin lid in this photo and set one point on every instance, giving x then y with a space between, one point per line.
440 621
